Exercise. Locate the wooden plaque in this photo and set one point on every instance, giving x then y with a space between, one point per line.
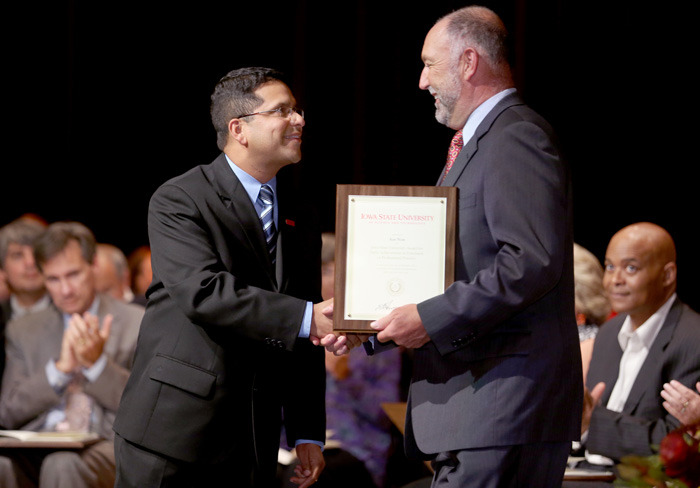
395 245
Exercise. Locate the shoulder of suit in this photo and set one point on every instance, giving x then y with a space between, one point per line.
32 324
689 319
213 174
126 312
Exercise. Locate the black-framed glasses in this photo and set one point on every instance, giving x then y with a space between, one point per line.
285 112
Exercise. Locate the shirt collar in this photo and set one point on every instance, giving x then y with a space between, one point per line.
648 331
251 185
20 311
480 113
92 310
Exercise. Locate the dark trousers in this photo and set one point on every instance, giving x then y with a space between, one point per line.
141 468
540 465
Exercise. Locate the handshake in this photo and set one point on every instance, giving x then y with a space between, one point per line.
402 325
322 333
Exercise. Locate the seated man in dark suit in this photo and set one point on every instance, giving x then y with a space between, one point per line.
77 352
654 338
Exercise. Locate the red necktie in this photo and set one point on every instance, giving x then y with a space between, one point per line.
453 151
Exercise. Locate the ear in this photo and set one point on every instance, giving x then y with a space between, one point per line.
468 63
236 131
670 273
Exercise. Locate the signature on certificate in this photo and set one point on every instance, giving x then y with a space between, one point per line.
388 306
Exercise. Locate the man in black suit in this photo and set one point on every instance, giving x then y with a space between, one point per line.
497 382
655 338
224 351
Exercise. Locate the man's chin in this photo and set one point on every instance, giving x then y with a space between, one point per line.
441 116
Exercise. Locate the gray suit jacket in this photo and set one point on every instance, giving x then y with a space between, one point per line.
643 420
35 339
503 366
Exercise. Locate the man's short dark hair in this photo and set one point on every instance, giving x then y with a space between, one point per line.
57 237
234 95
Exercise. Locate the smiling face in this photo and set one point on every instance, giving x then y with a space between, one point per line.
272 140
640 272
440 75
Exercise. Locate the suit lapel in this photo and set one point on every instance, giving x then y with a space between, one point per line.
472 146
612 352
650 366
242 216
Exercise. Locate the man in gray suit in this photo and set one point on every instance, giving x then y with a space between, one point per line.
81 348
655 338
495 398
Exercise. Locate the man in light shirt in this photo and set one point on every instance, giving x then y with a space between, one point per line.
653 339
78 351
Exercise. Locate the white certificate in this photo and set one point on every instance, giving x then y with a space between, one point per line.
395 253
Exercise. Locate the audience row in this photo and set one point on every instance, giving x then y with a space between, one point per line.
70 309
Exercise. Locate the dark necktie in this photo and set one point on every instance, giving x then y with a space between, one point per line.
266 199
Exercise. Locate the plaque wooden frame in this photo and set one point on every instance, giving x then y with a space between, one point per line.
343 192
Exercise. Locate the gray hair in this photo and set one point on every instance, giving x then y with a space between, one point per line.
23 231
481 28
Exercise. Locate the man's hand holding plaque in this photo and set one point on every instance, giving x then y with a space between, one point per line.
402 325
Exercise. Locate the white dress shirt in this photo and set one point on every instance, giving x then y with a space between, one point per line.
635 345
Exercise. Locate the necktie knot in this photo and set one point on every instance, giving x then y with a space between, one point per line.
455 147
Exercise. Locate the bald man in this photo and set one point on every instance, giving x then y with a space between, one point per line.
654 338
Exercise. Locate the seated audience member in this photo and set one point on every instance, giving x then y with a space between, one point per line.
25 292
112 272
654 338
66 367
356 385
141 272
591 305
682 402
18 269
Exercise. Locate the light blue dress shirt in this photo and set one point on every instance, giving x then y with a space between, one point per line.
480 113
252 188
59 380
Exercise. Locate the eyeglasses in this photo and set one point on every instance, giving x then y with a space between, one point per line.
285 112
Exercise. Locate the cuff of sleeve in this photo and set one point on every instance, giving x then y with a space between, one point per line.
57 379
94 371
308 441
305 330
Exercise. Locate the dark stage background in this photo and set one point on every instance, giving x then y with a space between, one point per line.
108 100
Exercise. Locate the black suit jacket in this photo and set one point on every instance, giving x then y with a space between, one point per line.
218 356
503 365
643 420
